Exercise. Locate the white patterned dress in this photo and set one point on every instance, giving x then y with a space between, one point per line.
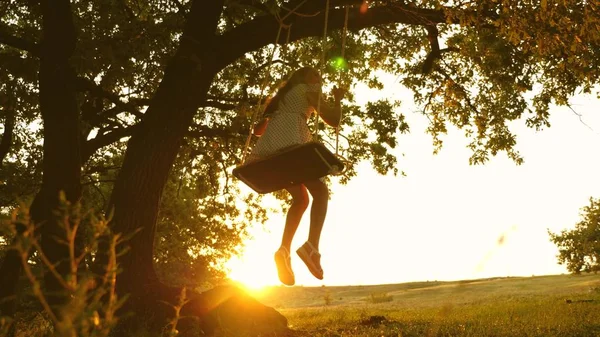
287 125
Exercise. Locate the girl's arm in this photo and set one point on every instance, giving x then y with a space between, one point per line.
330 114
260 128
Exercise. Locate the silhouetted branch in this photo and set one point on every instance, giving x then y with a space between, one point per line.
17 42
201 131
84 84
432 36
7 136
94 144
262 31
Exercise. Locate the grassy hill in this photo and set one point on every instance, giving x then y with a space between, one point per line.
558 305
427 294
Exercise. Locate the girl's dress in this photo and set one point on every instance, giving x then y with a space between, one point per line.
287 125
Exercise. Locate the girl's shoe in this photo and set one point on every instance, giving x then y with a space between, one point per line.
311 257
284 267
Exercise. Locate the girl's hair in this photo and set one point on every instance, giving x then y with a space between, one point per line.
297 77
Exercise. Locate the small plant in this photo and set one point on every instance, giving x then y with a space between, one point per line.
170 329
327 297
5 323
381 298
90 300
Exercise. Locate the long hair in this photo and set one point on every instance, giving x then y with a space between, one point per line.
297 77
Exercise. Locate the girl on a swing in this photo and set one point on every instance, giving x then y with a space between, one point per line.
286 116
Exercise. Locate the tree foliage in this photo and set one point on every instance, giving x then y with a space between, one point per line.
579 248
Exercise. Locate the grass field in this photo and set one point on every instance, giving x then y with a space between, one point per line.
559 305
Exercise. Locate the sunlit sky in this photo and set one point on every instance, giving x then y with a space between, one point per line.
447 220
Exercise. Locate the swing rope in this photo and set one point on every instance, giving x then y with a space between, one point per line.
262 89
323 50
332 169
344 33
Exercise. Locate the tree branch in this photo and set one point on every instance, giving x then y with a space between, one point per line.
202 131
262 31
199 131
256 5
16 42
219 105
94 144
83 84
464 92
432 36
203 19
7 136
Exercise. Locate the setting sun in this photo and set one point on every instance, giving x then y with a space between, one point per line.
251 272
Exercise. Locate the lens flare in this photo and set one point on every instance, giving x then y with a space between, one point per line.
338 63
363 7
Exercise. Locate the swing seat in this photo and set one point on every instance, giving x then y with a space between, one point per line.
289 167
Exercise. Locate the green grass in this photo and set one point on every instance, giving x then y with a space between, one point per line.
560 305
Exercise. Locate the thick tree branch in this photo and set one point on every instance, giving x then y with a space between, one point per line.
262 31
202 21
211 102
432 36
199 131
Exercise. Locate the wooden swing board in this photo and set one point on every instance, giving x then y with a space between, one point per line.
289 167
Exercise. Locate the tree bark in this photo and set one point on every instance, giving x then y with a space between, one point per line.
7 135
61 164
152 149
10 270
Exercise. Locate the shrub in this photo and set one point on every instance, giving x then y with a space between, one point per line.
381 298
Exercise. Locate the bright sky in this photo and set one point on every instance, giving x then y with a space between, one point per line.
447 220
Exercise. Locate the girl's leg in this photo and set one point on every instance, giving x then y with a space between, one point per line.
309 252
320 194
294 214
282 256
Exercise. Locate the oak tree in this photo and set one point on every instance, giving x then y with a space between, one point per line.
144 108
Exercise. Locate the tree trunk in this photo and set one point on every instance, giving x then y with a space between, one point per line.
10 269
151 151
150 155
61 163
62 159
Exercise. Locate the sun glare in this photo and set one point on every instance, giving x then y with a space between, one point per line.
240 272
253 269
